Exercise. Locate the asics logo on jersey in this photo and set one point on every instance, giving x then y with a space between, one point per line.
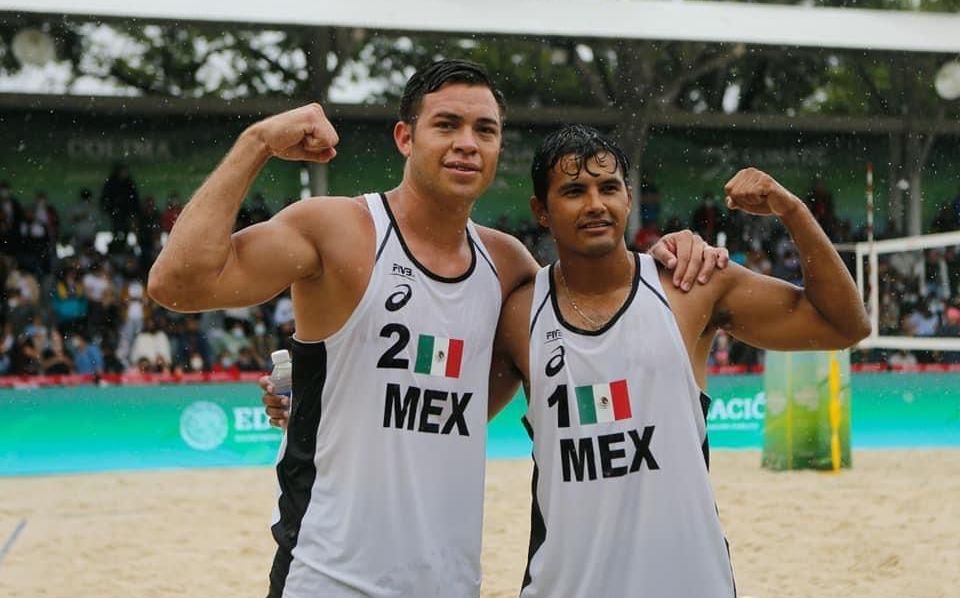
556 361
400 297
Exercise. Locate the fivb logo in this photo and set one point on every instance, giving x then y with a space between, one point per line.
602 403
437 356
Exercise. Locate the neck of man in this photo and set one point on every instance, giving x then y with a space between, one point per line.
597 276
431 220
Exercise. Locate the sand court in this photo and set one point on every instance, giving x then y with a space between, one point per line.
890 527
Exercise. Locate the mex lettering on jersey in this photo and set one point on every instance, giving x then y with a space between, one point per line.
608 455
415 408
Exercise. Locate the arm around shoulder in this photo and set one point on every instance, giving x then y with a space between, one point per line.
511 347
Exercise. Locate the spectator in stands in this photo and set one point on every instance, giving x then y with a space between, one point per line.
820 201
9 233
171 212
7 343
935 281
902 359
23 296
103 310
47 215
720 352
34 245
83 221
55 359
111 363
152 345
263 340
87 357
13 215
248 361
135 310
757 260
708 218
120 200
69 301
649 200
950 328
646 237
148 232
922 321
191 343
25 357
233 341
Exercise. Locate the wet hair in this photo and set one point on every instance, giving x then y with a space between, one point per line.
579 142
431 78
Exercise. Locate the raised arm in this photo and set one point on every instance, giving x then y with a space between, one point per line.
826 313
203 265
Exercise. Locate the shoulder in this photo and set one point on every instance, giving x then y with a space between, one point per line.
324 217
512 259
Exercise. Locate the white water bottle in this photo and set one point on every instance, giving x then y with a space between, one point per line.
282 374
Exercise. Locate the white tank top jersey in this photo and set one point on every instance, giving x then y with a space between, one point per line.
622 501
382 471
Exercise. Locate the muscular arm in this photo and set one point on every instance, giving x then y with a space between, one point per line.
204 266
826 313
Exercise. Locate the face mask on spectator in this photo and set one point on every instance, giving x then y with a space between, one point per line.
196 363
259 328
237 332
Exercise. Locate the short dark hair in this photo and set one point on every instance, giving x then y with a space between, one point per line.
434 76
579 142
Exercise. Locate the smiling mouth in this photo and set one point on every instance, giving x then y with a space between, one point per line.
462 167
595 225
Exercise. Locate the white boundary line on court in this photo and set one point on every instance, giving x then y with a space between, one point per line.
13 538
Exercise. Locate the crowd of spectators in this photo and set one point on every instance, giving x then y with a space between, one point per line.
75 301
919 291
74 287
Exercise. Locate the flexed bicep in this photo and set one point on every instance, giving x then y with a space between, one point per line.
770 313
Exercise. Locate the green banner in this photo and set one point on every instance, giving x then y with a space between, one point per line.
88 428
133 427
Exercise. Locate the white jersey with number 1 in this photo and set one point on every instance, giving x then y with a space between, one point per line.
622 502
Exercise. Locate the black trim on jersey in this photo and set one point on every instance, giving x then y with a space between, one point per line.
649 286
705 447
386 236
479 249
613 320
296 472
421 267
538 528
536 315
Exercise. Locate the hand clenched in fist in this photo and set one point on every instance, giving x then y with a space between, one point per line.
756 192
304 133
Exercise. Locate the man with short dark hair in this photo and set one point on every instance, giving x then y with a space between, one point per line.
396 296
613 359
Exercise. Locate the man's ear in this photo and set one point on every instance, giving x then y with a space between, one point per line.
630 199
403 137
539 211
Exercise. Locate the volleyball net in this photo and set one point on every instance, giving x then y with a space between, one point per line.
911 288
